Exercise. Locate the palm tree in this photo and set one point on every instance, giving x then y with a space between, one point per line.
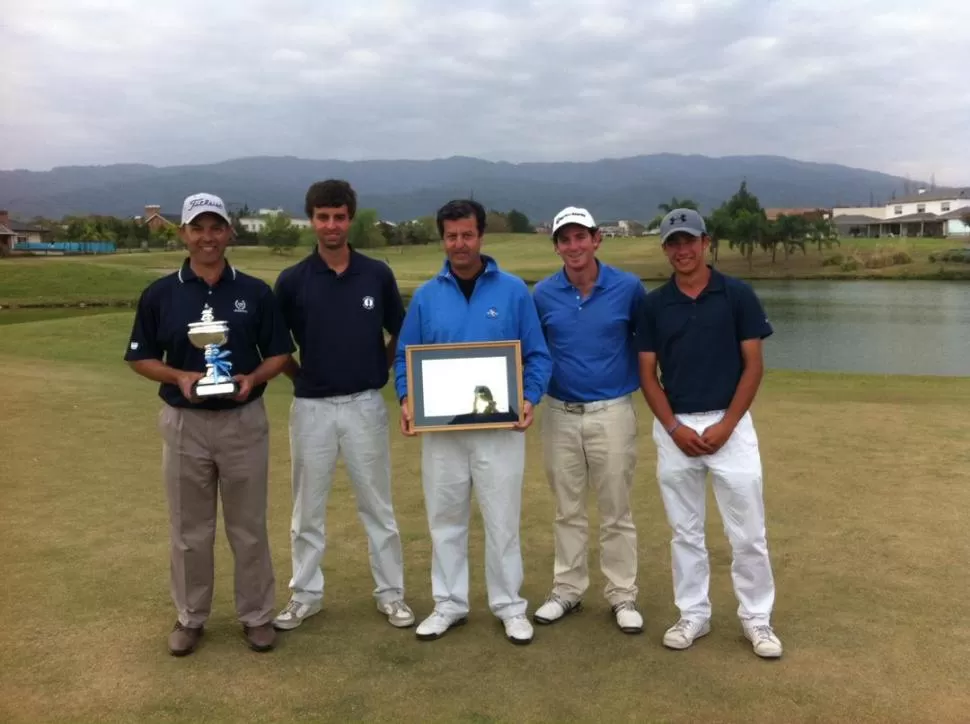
823 231
667 207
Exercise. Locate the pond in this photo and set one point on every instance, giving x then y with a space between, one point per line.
892 327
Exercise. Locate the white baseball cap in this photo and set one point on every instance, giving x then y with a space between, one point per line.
572 215
203 204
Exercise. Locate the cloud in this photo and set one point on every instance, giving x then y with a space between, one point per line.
876 84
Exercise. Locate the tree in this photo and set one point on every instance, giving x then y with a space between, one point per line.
279 234
748 229
496 223
364 230
668 206
823 231
790 231
719 226
965 218
519 223
423 230
676 203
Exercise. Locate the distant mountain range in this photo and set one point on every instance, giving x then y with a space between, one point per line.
623 188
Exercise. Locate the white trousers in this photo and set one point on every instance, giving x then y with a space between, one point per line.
492 463
736 470
354 427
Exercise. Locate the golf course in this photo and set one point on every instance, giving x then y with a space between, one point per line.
866 490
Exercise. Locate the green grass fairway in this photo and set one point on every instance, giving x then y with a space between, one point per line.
121 277
867 498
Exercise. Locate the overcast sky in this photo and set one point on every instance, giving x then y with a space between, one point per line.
880 84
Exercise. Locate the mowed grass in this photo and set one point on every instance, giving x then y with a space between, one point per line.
867 503
121 277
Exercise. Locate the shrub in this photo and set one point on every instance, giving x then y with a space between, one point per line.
834 260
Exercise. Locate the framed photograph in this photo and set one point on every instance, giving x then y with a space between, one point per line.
466 386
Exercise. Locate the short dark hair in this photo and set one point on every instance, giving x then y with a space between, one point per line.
461 209
332 194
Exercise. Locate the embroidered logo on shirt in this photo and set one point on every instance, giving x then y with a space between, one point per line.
492 313
240 305
133 345
368 303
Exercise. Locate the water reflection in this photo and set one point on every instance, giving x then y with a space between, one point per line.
905 327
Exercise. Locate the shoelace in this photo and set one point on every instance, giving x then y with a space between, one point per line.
397 609
292 607
763 632
682 625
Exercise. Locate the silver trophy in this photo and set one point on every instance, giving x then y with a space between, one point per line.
208 335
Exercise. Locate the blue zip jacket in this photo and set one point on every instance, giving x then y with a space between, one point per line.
500 309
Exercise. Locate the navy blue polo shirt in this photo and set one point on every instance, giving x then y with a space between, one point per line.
338 322
698 341
167 306
594 354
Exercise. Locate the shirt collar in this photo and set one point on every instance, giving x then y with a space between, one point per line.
602 276
321 267
491 266
714 284
186 274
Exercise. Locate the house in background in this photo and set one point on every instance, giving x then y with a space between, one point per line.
154 219
7 238
19 232
257 222
936 213
810 214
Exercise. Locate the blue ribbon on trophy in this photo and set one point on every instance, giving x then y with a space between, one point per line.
209 334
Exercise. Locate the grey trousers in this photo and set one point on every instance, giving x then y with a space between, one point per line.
206 453
354 427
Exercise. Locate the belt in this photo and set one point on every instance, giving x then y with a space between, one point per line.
344 399
582 408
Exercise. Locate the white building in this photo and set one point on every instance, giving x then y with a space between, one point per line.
937 213
256 223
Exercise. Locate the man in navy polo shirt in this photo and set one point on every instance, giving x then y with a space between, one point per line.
216 443
472 300
705 329
338 303
588 311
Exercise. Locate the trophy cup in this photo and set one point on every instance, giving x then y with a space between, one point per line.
207 335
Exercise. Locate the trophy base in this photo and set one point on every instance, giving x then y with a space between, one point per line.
217 389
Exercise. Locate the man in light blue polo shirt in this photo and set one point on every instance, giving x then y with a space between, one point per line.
472 300
588 312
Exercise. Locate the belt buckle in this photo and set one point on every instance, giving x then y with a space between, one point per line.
576 408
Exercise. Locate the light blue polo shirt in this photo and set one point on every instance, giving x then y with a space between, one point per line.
592 340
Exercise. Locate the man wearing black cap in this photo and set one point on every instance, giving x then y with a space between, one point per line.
705 329
213 443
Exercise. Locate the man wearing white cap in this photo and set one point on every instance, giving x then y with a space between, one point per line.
588 312
213 444
705 329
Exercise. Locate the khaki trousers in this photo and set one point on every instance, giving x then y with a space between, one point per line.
206 452
595 449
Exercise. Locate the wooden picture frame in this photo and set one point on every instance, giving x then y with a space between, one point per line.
465 386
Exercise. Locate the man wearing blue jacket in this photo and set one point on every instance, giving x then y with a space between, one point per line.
472 300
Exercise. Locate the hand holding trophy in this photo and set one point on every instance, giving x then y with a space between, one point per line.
208 335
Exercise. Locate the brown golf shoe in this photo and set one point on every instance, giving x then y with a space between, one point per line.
261 638
183 640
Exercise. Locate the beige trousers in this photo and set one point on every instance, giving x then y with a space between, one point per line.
206 453
597 449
